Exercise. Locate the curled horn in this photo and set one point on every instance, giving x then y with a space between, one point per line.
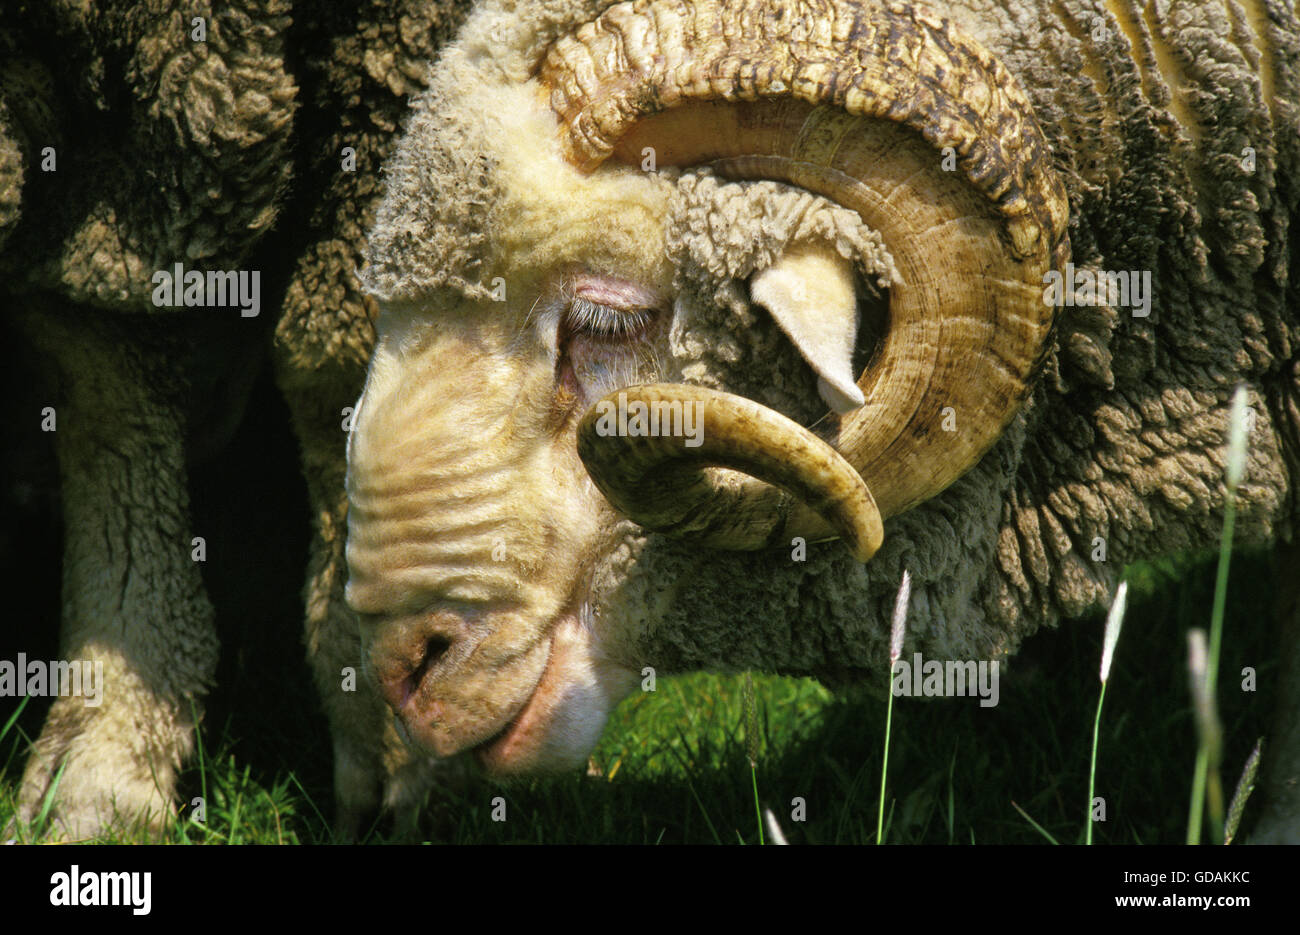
859 103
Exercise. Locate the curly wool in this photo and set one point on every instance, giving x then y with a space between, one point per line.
720 233
194 158
435 229
1126 457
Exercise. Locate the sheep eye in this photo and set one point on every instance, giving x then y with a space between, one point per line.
606 323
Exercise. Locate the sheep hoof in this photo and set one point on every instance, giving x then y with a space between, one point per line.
86 783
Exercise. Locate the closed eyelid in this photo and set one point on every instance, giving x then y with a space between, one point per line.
604 321
614 293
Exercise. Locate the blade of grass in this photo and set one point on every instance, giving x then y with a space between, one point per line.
1039 828
897 633
203 764
751 744
4 732
1245 786
1209 731
1114 621
48 802
952 810
686 774
1206 761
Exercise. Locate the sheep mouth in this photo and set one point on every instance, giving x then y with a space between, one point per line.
429 727
560 722
498 752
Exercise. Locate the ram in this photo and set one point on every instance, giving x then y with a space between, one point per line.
1170 130
873 252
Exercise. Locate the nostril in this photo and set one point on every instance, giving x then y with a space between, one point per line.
434 649
400 675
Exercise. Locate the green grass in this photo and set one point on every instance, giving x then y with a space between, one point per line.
676 767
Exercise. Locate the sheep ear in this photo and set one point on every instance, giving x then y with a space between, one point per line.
810 293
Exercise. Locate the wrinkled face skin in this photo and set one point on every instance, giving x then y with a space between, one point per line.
474 522
487 569
506 605
474 526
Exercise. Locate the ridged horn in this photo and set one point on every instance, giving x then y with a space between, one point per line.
860 103
661 482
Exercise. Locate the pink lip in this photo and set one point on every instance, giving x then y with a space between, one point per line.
498 750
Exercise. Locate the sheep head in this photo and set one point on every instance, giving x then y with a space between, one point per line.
534 285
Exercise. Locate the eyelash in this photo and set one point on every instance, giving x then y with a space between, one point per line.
605 323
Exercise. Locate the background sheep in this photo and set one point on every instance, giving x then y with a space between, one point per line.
132 140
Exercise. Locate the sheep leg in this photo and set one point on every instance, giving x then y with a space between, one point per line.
133 597
1279 823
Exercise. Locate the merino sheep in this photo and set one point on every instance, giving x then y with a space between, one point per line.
639 200
227 153
245 138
